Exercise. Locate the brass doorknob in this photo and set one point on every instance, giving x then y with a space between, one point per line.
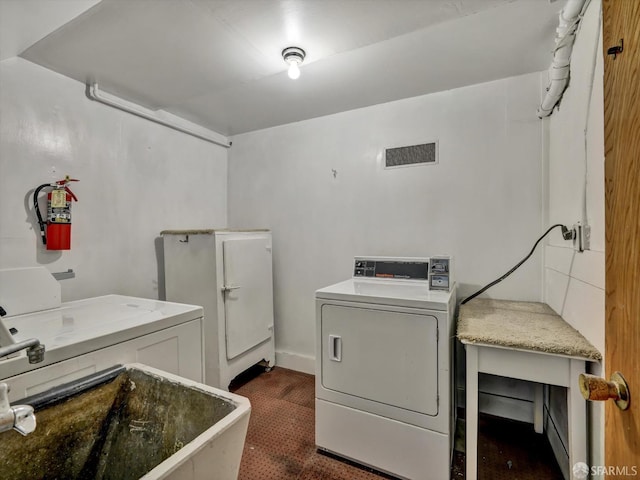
595 388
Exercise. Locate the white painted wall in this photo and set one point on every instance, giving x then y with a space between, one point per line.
574 282
136 179
482 203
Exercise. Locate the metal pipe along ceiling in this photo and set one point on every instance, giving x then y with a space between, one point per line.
570 17
199 132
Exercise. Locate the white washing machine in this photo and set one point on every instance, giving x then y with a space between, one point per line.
384 347
83 337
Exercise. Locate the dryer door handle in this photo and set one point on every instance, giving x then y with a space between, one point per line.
335 348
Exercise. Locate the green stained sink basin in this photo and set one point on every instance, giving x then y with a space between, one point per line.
137 422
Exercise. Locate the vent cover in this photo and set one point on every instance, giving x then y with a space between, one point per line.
423 154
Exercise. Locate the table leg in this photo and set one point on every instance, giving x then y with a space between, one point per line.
471 448
538 407
577 413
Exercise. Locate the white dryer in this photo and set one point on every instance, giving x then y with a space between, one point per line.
384 389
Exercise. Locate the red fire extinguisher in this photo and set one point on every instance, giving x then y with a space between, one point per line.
56 233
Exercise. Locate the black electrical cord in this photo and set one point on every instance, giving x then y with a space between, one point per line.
566 234
36 192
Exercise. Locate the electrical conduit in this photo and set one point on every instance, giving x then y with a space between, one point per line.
559 70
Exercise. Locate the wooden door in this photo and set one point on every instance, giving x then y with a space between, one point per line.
621 20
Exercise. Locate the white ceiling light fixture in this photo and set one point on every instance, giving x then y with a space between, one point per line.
294 56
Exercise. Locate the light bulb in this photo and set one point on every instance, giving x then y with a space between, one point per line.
294 70
293 56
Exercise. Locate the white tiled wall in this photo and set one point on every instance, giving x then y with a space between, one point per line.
574 282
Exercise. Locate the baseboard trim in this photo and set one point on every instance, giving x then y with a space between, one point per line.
296 361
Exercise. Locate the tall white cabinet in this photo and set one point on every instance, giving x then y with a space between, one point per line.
229 274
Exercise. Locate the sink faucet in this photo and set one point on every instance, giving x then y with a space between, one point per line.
8 345
35 350
20 417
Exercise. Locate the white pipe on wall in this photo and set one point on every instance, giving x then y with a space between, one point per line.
190 129
559 70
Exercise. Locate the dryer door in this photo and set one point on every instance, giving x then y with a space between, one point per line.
380 355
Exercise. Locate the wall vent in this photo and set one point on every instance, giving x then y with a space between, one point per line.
423 154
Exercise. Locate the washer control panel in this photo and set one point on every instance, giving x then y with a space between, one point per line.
439 273
436 271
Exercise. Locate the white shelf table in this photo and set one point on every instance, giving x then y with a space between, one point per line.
527 341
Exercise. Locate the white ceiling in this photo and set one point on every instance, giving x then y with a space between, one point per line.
218 62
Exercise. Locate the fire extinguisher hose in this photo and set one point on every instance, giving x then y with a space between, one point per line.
36 192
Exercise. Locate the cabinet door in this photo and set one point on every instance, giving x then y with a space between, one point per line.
248 293
384 356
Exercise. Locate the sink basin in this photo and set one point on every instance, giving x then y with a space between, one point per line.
127 423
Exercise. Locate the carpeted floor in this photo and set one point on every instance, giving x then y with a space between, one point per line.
280 440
